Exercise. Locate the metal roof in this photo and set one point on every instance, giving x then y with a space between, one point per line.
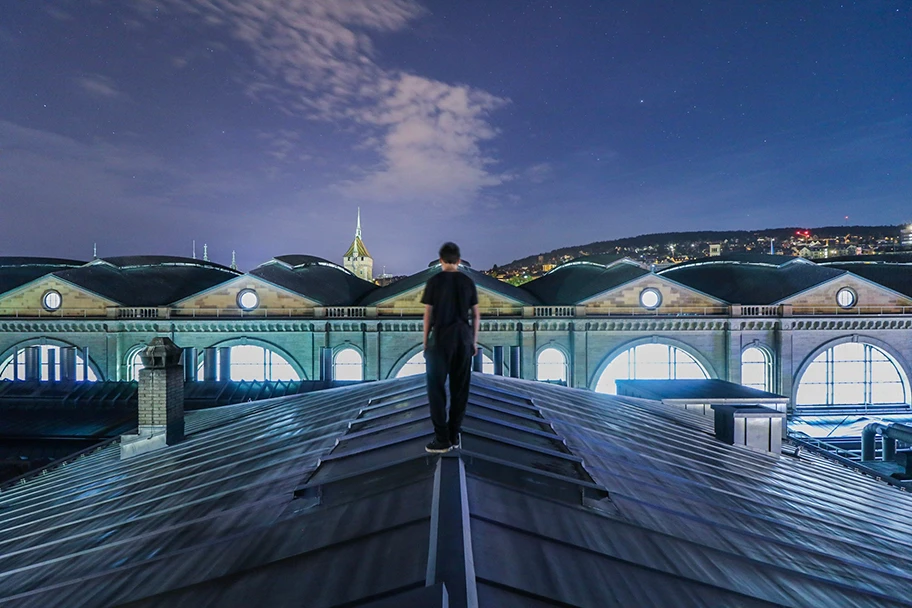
557 497
708 391
897 277
147 280
419 279
738 282
18 271
323 282
579 280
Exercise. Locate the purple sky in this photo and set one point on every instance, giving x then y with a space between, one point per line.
510 127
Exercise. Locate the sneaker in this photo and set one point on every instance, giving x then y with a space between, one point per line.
438 447
454 441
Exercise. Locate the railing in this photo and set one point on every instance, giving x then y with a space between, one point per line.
343 312
236 313
554 311
662 311
856 310
139 313
40 313
756 311
419 311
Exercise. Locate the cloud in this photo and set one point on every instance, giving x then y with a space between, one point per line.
99 86
316 58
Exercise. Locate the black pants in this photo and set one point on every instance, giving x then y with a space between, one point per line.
454 359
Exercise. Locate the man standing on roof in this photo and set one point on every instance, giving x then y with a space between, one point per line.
449 344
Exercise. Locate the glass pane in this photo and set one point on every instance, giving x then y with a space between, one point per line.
552 365
413 366
348 365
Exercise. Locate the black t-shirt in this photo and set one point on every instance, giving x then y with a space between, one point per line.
451 294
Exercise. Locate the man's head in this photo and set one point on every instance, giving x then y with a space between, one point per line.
449 253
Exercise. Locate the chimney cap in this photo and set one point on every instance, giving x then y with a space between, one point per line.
161 353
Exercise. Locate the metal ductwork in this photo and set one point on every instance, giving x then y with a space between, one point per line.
498 360
890 432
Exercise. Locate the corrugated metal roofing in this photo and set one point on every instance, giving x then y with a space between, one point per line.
574 282
752 284
17 271
323 282
416 280
565 497
147 280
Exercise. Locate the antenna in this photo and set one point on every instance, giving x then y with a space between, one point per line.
95 251
233 260
194 249
205 252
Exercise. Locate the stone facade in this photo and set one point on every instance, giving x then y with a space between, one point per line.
589 343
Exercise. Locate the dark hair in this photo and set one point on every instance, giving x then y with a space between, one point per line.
449 253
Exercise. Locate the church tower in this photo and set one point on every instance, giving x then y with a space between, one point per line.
357 259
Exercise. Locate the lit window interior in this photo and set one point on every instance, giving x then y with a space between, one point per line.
348 365
7 368
853 374
551 366
650 362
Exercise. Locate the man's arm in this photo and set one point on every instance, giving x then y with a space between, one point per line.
476 323
427 323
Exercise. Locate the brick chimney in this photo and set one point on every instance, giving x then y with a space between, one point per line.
161 400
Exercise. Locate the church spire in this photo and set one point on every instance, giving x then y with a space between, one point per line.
358 229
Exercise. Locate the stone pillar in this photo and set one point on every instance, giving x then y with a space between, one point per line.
528 349
372 352
515 361
578 374
33 363
498 360
189 360
224 363
326 364
478 361
16 372
52 365
161 400
210 364
68 364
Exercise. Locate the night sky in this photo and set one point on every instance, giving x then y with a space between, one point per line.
511 127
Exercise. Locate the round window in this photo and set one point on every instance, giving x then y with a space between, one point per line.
650 298
248 299
51 300
846 298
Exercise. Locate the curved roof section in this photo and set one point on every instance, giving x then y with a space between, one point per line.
416 280
740 282
314 278
895 276
743 258
18 271
437 263
147 280
296 259
580 279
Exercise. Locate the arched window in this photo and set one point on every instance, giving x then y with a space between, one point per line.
853 373
254 362
416 365
348 365
413 367
7 368
551 366
650 362
756 369
134 364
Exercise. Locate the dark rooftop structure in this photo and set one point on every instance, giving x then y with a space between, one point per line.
580 279
558 497
751 279
18 271
147 280
320 280
419 279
